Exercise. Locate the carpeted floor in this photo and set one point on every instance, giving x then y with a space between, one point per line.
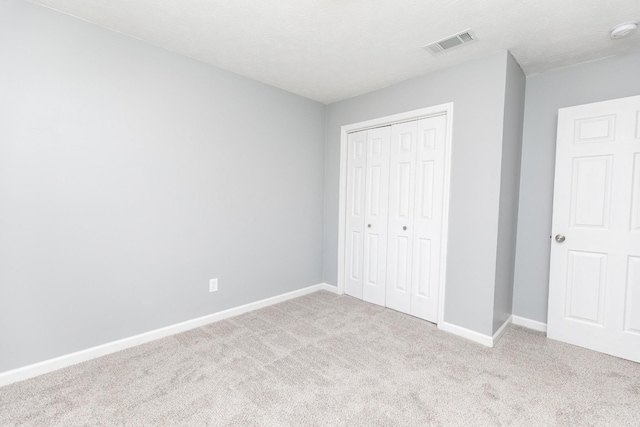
328 360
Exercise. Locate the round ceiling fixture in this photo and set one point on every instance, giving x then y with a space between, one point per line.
624 30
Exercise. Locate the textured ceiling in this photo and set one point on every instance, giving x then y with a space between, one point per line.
329 50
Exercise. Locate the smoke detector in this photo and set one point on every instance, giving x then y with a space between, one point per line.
624 30
447 43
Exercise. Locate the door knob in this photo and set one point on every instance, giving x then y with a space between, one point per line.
369 225
560 238
404 228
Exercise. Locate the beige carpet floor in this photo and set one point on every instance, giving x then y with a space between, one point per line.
328 360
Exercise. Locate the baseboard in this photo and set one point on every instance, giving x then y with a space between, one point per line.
485 340
330 288
501 330
528 323
490 341
60 362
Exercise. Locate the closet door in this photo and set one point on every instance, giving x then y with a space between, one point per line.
427 218
376 206
354 258
401 211
395 191
367 203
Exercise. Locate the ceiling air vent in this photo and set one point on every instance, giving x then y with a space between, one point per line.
450 42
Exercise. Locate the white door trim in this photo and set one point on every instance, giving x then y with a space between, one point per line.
443 109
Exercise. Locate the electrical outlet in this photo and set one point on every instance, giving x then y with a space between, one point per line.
213 285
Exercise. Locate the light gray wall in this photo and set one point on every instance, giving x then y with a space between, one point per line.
609 78
129 176
509 187
477 89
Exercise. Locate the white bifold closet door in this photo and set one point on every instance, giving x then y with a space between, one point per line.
367 195
394 215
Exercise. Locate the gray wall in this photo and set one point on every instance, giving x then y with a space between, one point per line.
130 175
609 78
509 187
478 91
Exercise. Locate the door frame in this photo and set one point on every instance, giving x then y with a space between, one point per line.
437 110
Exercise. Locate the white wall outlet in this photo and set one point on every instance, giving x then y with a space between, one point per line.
213 285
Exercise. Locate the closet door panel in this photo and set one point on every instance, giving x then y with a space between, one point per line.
427 218
376 208
402 172
355 215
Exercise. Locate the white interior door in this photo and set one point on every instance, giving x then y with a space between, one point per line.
393 192
401 211
367 204
354 226
428 217
594 284
376 206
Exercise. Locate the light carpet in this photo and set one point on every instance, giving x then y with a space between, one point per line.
329 360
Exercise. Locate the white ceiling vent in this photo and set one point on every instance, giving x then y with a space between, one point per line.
467 36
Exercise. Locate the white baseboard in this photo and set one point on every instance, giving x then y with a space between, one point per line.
500 331
528 323
485 340
330 288
30 371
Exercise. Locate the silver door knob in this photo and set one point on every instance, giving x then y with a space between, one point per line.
404 228
560 238
369 225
